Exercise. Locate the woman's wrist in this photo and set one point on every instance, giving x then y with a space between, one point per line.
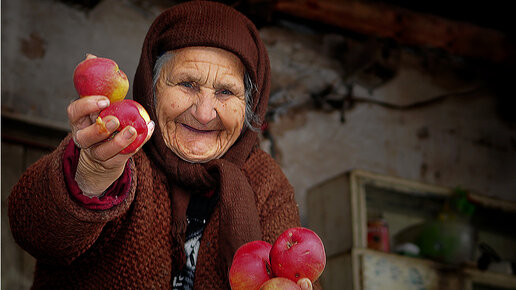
94 180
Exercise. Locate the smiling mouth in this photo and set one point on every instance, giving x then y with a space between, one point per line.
197 130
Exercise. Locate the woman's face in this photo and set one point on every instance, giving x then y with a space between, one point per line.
201 102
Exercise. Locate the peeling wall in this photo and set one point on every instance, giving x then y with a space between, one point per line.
434 119
43 41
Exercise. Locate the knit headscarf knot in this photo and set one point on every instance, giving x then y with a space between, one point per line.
201 23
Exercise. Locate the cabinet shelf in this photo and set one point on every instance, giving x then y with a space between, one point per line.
339 211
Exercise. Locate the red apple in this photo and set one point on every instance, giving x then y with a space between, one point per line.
250 267
280 283
298 253
260 248
129 113
100 76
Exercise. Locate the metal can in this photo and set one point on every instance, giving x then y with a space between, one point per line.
378 235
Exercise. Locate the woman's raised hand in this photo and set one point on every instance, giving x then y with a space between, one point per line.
100 161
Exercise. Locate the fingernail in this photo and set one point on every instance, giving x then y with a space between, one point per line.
103 104
111 125
128 134
150 126
305 284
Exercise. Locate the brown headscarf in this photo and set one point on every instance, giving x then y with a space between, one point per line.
201 23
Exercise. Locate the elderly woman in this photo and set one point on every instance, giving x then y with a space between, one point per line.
173 214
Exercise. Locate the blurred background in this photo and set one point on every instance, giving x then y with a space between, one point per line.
394 121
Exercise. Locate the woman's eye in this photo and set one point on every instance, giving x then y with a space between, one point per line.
226 92
187 84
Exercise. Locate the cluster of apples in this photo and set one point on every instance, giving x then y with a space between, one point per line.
102 76
297 253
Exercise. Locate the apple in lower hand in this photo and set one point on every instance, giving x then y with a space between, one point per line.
250 267
298 253
100 76
129 113
260 248
280 283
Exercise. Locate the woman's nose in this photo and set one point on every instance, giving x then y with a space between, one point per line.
204 108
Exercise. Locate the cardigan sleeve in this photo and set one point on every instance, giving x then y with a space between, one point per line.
277 207
115 194
47 221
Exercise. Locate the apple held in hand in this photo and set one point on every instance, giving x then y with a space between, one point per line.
100 76
280 283
250 267
129 113
259 248
298 253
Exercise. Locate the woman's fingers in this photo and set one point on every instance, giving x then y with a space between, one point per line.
150 130
80 114
95 133
305 284
109 149
79 111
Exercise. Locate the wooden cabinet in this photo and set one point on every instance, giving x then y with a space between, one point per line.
339 209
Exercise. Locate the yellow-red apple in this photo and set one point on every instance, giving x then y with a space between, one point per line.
298 253
129 113
250 267
280 283
100 76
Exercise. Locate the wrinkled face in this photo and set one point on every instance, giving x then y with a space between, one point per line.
200 102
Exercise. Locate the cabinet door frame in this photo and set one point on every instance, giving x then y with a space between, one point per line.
359 179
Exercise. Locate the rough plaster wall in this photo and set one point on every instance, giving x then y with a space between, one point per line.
42 42
457 141
373 138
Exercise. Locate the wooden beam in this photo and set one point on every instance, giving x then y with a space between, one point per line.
405 26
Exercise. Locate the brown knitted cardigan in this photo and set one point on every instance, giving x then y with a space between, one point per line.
139 243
